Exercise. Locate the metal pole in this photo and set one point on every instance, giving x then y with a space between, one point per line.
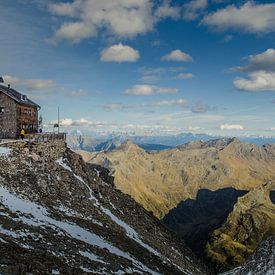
58 120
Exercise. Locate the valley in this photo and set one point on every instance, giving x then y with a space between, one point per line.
217 194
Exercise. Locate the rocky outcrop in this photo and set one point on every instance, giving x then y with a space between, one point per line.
59 215
251 221
261 262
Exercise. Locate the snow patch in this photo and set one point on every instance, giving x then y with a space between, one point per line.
37 215
5 151
61 162
91 256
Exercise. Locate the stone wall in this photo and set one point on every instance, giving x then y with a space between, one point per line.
44 150
8 124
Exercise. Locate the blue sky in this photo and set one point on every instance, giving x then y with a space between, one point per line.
149 67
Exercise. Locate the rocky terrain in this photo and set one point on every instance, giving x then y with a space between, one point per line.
262 262
59 215
161 180
251 221
225 227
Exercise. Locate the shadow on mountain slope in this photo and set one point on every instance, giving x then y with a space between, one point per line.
195 220
272 196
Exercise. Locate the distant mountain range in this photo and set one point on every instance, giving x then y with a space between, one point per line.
78 141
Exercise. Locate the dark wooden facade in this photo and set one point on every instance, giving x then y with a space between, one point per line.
17 112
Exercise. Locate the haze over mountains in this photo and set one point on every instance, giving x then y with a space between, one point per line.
93 142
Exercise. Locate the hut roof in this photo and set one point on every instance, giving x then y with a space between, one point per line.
18 97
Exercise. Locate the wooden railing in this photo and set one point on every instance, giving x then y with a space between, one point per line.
38 137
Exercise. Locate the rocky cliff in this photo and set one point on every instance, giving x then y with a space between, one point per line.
59 215
251 221
262 262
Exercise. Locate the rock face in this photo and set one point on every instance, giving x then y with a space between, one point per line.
251 221
59 215
261 262
160 181
195 220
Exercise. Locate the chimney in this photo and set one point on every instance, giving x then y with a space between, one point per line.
9 86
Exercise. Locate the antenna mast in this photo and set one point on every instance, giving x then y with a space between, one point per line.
58 118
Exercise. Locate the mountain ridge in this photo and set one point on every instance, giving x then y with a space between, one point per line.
212 165
61 215
162 180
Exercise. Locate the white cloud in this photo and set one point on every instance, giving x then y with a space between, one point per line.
251 18
264 61
146 90
177 55
76 31
122 18
185 75
194 9
194 128
172 102
80 122
28 84
166 10
65 9
119 53
79 93
119 107
231 127
158 73
257 81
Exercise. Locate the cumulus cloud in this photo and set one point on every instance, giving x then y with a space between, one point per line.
177 55
75 31
231 127
29 84
127 18
185 75
257 81
119 53
260 72
146 90
194 8
260 62
166 10
250 17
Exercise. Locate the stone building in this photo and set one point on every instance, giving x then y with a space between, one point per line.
17 112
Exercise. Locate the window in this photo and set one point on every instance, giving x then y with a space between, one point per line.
2 110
